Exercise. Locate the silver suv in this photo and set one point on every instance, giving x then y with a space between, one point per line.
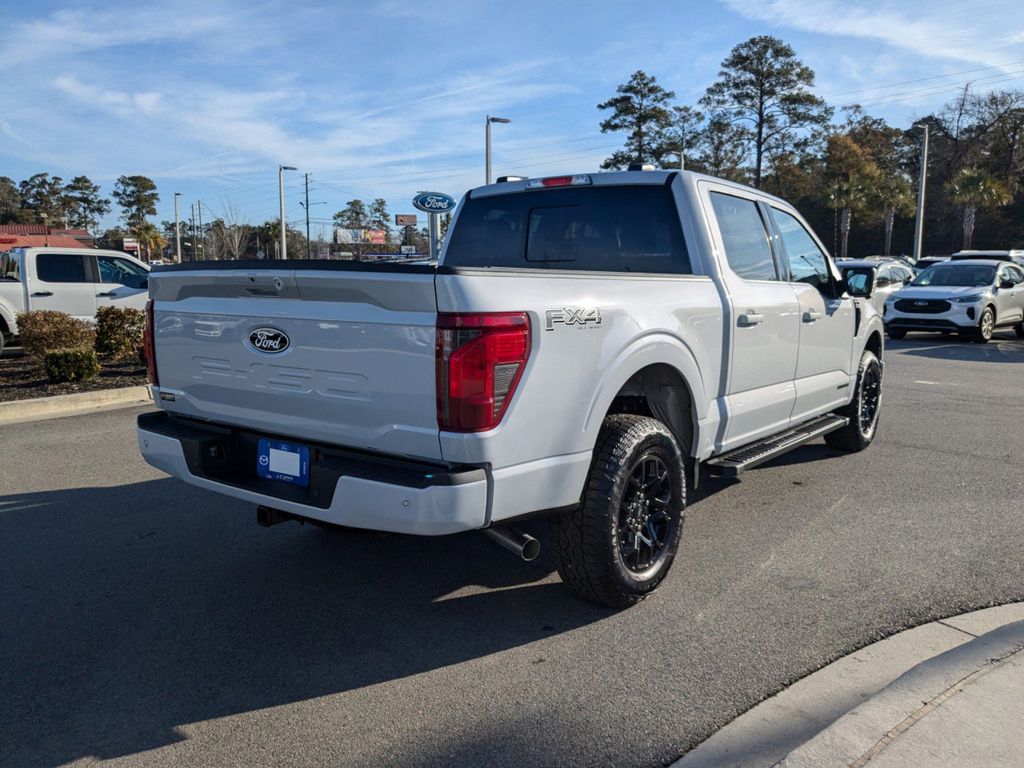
971 297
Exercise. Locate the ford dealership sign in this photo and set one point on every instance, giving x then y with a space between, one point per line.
434 202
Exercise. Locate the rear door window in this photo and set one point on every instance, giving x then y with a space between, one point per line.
61 268
597 229
744 237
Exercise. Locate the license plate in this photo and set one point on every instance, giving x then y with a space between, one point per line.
287 462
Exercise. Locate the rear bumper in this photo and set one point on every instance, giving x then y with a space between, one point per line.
346 488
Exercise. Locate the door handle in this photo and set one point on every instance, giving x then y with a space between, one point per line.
811 315
750 318
107 293
43 293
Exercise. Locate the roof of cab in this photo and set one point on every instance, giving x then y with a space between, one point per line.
608 178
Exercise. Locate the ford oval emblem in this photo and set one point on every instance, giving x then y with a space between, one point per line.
269 340
433 202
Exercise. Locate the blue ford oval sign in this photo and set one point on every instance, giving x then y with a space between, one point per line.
434 202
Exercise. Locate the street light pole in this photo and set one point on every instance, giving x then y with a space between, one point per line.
922 182
280 191
487 142
177 229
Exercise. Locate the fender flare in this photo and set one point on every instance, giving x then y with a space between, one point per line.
9 319
655 348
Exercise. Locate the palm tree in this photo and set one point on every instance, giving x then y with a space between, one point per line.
150 238
974 188
854 176
892 196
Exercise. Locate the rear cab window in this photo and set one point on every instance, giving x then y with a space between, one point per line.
620 228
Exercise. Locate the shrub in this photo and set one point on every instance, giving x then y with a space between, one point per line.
44 329
62 365
119 332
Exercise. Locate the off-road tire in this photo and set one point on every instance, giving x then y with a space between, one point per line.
855 436
896 334
587 542
986 325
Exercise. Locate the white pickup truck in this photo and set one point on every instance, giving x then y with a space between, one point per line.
583 345
76 281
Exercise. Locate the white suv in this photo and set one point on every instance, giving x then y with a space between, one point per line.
971 297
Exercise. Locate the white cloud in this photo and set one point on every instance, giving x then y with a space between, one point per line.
934 30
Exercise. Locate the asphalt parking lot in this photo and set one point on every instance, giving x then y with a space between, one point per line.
148 623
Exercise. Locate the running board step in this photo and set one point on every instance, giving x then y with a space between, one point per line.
749 456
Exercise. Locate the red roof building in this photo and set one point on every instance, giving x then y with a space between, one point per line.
36 235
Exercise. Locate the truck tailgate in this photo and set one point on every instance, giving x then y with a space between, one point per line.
326 355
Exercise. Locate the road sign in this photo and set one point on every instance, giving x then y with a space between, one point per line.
405 219
433 202
409 249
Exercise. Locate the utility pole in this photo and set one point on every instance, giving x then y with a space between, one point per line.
202 237
192 226
921 184
177 229
307 216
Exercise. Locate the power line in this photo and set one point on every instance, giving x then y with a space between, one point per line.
833 96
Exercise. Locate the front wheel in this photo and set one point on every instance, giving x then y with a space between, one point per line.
618 545
986 325
863 410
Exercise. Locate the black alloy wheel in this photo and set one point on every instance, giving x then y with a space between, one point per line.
644 522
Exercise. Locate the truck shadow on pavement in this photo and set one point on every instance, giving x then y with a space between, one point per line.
1003 348
133 610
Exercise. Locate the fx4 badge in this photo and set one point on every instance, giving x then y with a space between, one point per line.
584 317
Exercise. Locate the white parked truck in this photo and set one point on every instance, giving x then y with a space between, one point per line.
76 281
582 347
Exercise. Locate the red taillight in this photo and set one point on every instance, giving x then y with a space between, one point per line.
148 347
480 359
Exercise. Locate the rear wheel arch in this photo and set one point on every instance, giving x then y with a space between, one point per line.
662 392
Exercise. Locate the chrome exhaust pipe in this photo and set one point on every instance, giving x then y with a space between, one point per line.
514 540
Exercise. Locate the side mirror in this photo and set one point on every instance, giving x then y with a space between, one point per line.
1007 284
859 282
883 282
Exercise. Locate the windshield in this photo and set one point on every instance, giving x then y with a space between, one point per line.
956 275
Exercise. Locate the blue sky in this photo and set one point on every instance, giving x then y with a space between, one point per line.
381 99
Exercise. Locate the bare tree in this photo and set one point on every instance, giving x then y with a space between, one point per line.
236 233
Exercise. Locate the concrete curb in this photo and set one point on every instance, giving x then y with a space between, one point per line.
72 405
825 701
